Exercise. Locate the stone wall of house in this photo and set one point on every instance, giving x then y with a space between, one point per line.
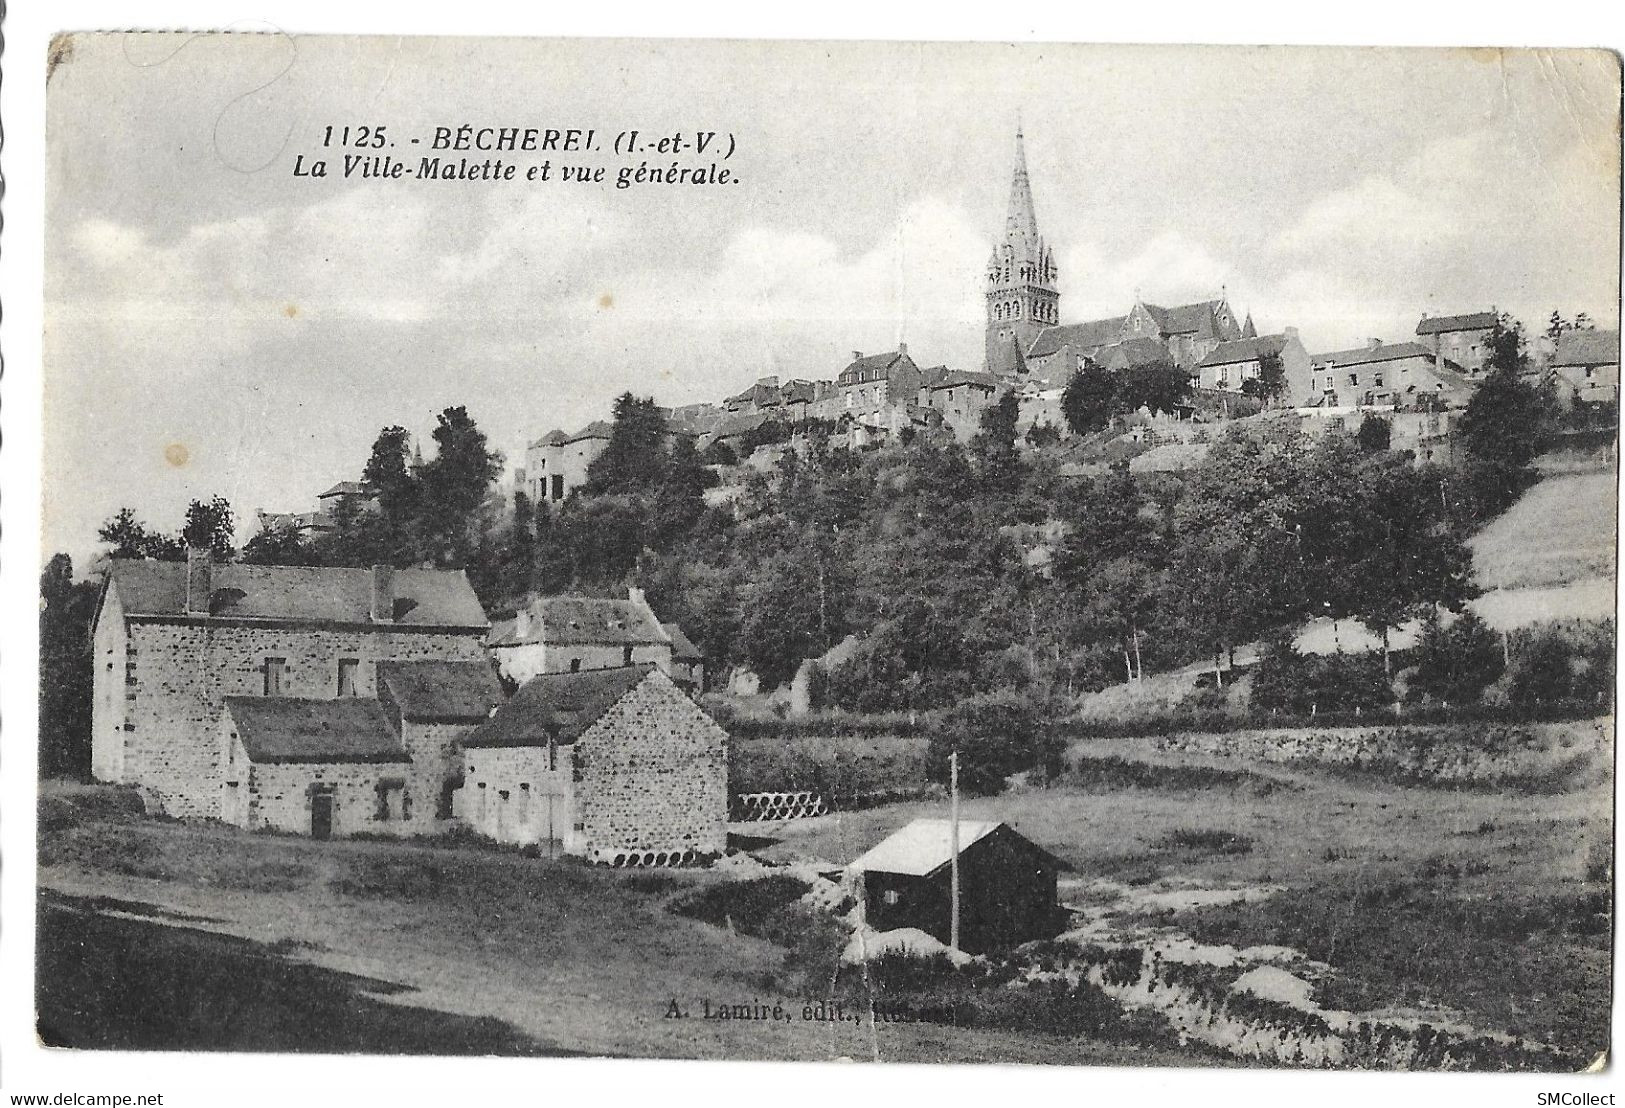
523 661
652 775
280 797
437 765
182 671
113 665
514 795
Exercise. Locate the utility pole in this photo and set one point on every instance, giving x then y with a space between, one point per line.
953 850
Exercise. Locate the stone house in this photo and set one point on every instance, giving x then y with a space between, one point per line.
1585 367
618 766
1387 375
1459 341
960 396
568 634
1231 364
871 384
172 640
556 464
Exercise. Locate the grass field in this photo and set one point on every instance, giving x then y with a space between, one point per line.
1560 532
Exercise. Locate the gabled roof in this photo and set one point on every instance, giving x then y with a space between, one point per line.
349 488
1472 321
1131 353
294 729
1082 337
1245 350
577 620
1587 348
922 847
953 378
311 594
682 647
554 437
878 365
560 706
597 429
1383 352
440 692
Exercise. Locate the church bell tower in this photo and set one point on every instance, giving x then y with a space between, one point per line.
1021 295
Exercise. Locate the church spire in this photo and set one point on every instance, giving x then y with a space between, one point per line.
1022 299
1021 224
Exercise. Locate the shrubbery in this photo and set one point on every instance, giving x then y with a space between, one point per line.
997 735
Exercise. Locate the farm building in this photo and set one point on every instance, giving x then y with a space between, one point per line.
565 634
1007 885
173 640
617 765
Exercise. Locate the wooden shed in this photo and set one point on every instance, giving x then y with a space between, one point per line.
1007 884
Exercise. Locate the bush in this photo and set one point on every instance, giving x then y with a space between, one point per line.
1556 662
745 906
997 735
1455 664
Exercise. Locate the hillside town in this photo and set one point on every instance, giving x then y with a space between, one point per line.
770 645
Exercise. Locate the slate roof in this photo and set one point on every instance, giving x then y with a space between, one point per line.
554 437
557 705
321 594
1080 336
1587 348
1472 321
597 429
1364 355
1245 350
294 729
1184 319
583 620
440 692
1131 353
795 392
922 847
953 378
682 647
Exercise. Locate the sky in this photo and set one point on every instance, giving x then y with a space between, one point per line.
216 325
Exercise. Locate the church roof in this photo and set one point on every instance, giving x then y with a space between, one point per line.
1082 337
1130 354
1199 319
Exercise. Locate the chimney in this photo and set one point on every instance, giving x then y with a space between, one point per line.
199 580
521 623
902 350
383 594
856 355
1290 332
635 595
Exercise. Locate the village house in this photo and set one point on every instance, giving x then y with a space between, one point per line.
1386 375
1461 342
173 640
618 766
1585 367
568 634
961 396
1007 885
871 384
556 464
1231 364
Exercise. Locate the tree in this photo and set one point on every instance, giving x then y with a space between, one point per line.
211 525
1271 380
996 735
1456 663
1505 423
279 544
1158 387
455 485
65 675
1089 400
128 537
1375 433
719 453
634 459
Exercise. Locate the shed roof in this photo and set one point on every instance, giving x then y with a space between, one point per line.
439 690
320 594
294 729
560 706
922 847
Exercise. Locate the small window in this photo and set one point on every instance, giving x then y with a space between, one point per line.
892 896
274 669
626 655
557 486
575 665
347 672
1354 379
552 755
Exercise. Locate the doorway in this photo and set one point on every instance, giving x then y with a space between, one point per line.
321 815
